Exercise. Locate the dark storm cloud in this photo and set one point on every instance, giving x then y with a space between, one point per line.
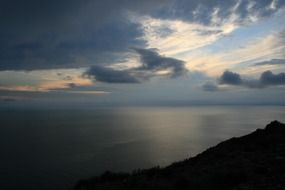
51 34
152 61
271 62
266 79
99 46
58 13
67 34
109 75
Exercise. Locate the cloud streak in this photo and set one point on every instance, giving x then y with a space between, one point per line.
271 62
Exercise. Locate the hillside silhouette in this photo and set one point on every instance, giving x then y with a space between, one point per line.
254 161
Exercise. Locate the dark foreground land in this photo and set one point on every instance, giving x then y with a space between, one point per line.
254 161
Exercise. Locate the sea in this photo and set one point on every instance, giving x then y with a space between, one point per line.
52 149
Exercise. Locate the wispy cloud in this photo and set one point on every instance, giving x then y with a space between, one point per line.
42 81
261 48
174 37
271 62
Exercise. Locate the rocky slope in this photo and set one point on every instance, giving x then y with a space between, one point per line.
254 161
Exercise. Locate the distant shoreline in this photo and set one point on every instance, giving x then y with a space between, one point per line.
10 106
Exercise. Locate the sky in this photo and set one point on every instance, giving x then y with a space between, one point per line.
132 52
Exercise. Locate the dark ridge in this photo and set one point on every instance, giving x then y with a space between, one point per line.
252 162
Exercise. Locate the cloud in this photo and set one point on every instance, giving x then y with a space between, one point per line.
56 34
153 62
215 11
210 86
87 92
231 78
182 36
271 62
266 79
43 80
103 45
109 75
244 54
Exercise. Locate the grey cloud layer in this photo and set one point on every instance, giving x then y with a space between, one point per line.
60 34
73 50
51 34
151 62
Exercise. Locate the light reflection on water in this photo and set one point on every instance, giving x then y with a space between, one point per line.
51 149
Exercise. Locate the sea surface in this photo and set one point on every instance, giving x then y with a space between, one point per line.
52 149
